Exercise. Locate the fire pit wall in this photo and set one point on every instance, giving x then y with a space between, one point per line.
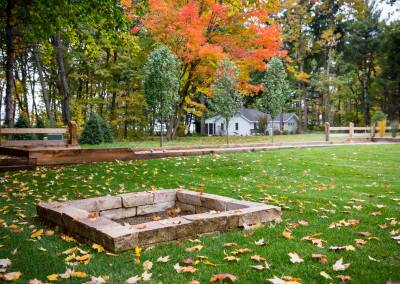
93 218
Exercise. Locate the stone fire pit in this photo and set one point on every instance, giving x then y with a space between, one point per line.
94 218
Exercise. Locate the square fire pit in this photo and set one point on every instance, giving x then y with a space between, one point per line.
110 220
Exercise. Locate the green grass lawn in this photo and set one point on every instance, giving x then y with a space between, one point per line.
215 140
320 186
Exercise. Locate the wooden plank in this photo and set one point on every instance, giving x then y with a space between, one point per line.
33 130
339 135
11 143
362 128
340 128
362 134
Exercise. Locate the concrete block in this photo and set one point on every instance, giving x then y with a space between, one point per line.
164 195
136 199
189 197
97 204
209 222
262 214
156 207
119 213
117 238
185 207
52 211
240 204
215 202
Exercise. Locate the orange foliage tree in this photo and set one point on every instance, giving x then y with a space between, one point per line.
200 32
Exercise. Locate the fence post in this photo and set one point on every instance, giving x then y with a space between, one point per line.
373 129
327 130
72 133
351 130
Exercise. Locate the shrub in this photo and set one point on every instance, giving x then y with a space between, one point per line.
382 128
262 124
378 116
108 135
40 124
395 128
92 132
23 122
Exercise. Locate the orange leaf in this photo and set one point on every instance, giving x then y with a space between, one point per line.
221 277
140 227
287 235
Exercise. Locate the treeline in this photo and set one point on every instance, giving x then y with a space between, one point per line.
64 60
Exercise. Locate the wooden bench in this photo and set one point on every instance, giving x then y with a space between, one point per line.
28 143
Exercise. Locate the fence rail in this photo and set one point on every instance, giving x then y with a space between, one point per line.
9 143
370 131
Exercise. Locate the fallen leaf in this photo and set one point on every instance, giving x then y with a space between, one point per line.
277 280
229 244
178 268
79 274
67 274
340 266
258 258
294 258
12 276
146 276
5 262
98 247
147 265
53 277
221 277
199 247
261 267
231 258
163 259
188 261
241 251
189 269
324 274
37 234
133 279
140 227
287 235
373 259
343 278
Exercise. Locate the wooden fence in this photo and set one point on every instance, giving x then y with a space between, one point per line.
369 131
12 143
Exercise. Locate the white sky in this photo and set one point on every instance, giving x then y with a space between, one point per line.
390 12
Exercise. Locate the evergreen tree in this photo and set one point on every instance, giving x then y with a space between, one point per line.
108 135
92 133
40 124
23 122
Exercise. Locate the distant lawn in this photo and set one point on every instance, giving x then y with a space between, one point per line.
215 140
338 187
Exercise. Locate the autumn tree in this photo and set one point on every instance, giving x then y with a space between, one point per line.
226 99
161 84
201 32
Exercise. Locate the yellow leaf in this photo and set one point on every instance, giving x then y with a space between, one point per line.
53 277
37 234
98 247
79 274
12 276
324 274
138 250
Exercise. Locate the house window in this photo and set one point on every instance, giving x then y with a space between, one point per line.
237 126
222 127
210 128
255 126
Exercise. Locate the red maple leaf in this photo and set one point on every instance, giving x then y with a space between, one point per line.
221 277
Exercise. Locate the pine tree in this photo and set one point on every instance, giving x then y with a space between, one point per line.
92 132
40 124
23 122
108 135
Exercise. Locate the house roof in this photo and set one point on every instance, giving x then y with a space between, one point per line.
252 115
286 117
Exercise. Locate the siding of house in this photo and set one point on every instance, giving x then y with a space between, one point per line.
243 126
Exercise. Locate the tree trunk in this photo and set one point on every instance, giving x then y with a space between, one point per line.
366 108
42 83
281 123
227 130
299 104
161 133
63 79
10 49
203 116
272 134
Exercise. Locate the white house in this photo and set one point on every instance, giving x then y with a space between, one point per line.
246 121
